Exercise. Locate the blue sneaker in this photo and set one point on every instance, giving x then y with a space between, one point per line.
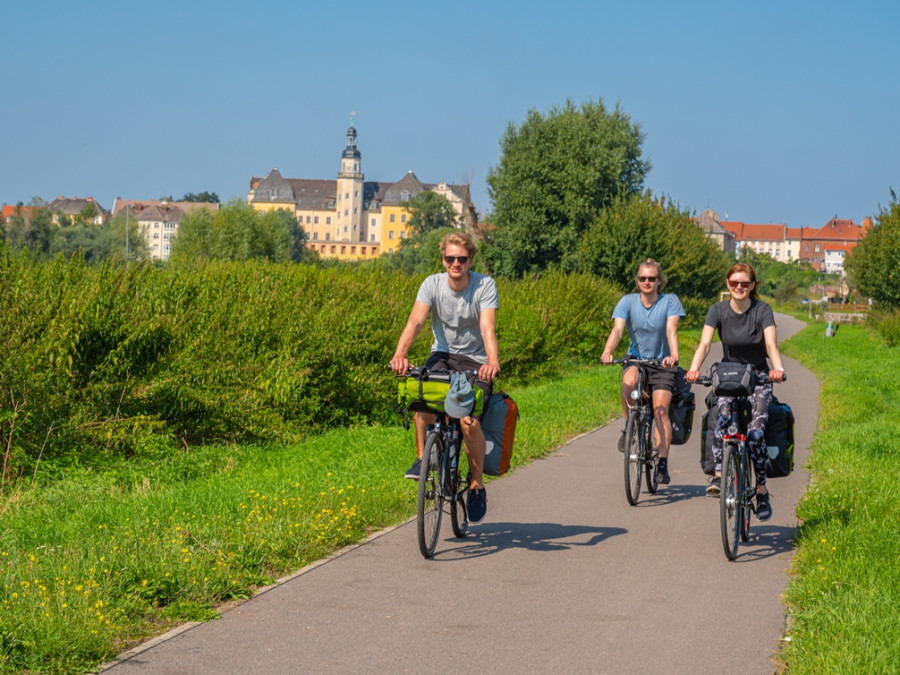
476 505
415 470
763 507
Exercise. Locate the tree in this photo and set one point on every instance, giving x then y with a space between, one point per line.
634 228
875 261
429 211
420 254
207 197
557 172
239 232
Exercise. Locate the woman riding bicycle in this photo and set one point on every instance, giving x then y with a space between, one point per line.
747 330
651 318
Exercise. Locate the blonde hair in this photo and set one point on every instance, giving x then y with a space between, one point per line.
459 239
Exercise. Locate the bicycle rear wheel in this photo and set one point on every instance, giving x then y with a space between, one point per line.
634 457
459 517
747 496
730 499
431 496
652 458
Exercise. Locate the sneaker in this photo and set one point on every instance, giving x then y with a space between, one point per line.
621 445
662 474
476 505
714 487
415 470
763 507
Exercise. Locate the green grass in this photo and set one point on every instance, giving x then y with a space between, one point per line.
845 587
102 560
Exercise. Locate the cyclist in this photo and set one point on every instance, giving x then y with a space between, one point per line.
463 306
747 330
651 318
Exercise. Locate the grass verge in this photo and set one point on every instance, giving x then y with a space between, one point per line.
845 586
104 559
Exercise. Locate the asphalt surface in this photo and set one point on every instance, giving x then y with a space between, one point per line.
562 575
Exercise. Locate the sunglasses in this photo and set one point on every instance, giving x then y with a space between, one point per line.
644 279
461 259
740 284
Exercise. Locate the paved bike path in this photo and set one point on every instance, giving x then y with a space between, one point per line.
563 575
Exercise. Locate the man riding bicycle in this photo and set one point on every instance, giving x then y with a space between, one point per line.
651 318
463 306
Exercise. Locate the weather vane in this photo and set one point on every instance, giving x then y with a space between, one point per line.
352 115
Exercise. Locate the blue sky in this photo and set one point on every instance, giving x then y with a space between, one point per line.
764 111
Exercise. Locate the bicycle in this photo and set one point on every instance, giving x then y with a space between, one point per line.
641 453
440 480
736 494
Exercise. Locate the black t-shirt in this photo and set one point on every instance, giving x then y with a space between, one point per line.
742 334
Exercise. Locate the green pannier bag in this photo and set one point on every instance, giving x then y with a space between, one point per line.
426 391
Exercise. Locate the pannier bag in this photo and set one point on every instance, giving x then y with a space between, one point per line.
428 392
779 440
708 432
681 410
733 379
499 425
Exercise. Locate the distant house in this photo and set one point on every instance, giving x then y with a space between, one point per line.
10 211
76 208
837 236
709 222
157 221
351 218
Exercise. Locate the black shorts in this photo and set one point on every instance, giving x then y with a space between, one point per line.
459 363
659 377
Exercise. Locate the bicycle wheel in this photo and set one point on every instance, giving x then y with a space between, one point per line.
634 456
730 499
431 496
459 517
652 460
747 497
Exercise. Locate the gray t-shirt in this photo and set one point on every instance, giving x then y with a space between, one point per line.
455 316
647 325
742 334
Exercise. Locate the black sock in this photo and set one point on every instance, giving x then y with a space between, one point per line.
663 462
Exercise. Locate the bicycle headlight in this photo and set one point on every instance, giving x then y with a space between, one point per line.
732 430
635 394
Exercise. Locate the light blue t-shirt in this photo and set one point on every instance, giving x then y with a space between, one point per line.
647 325
455 317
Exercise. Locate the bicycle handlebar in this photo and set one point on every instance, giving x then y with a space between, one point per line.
761 376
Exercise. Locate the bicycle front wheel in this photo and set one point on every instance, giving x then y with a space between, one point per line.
459 518
431 497
731 499
634 456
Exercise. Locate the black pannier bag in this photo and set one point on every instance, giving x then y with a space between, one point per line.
779 440
681 410
733 379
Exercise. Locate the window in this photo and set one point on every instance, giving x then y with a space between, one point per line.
332 249
403 218
346 195
392 217
356 193
343 250
345 229
404 196
403 234
315 235
355 210
328 220
391 234
307 220
316 220
156 235
352 250
372 237
328 236
817 248
273 193
373 222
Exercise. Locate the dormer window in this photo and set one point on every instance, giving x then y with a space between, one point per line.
273 193
404 196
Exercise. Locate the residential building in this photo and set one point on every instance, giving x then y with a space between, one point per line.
157 221
10 211
709 222
351 218
75 208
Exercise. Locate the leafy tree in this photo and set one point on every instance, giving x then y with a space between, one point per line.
557 172
87 214
875 261
239 232
780 280
207 197
420 254
39 236
634 228
429 211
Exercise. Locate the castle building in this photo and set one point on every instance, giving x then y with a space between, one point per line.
351 218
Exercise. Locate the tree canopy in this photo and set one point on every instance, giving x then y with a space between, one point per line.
557 172
875 261
239 232
636 227
429 211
